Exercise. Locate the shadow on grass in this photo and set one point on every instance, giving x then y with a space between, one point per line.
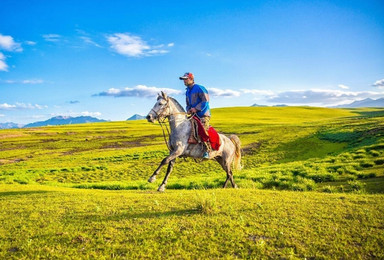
21 193
143 215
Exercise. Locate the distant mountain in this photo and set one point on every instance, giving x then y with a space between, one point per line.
368 102
256 105
10 125
136 117
65 120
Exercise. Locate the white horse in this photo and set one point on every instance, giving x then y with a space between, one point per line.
228 153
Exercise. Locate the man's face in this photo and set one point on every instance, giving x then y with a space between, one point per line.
188 82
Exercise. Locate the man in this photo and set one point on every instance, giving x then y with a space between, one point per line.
197 102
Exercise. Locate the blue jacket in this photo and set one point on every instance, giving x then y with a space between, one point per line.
197 97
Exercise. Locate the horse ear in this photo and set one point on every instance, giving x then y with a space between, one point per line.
164 95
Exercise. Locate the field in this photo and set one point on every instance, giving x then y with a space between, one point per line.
312 186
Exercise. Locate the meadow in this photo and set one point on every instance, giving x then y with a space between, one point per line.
311 186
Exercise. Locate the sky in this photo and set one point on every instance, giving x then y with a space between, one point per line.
110 59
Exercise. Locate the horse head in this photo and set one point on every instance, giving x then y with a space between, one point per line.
160 109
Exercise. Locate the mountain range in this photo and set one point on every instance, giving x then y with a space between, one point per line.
368 102
10 125
65 120
136 117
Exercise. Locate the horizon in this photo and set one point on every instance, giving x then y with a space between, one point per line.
19 125
109 60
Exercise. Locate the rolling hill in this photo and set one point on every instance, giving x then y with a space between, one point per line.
65 120
312 186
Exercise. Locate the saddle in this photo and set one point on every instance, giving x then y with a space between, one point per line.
199 134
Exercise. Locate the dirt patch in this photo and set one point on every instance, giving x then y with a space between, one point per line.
251 148
4 136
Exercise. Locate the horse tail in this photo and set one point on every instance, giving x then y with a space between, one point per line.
237 160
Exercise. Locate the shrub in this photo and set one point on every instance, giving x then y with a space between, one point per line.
358 156
356 186
374 153
366 175
322 177
379 161
367 164
328 189
206 205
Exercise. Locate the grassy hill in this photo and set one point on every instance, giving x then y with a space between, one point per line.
291 148
49 211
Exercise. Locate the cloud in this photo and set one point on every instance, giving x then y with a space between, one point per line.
133 46
30 43
258 92
25 81
32 81
89 41
3 65
19 106
76 114
343 86
8 44
322 97
74 102
52 37
379 83
223 93
138 91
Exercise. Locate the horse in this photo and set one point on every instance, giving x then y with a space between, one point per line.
180 129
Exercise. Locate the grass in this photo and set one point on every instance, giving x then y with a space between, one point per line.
312 186
56 222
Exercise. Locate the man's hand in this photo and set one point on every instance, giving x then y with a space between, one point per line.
192 110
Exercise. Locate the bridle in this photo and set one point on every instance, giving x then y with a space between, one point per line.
162 120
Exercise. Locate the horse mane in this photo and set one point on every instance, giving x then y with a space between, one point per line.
179 107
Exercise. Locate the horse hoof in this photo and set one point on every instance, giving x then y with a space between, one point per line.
152 179
161 188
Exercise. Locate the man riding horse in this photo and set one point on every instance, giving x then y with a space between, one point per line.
197 99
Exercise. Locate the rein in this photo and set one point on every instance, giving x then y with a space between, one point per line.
163 124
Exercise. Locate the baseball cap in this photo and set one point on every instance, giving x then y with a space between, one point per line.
187 75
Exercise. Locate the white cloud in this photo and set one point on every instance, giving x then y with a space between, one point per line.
3 65
321 97
52 37
19 106
8 44
30 43
25 81
76 114
89 41
32 81
223 92
379 83
258 92
343 86
1 115
138 91
133 46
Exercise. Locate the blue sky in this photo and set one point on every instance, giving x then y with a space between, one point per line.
109 59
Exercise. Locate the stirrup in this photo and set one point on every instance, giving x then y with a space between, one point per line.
206 155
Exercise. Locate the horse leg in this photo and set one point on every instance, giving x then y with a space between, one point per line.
169 170
153 177
220 160
166 160
227 168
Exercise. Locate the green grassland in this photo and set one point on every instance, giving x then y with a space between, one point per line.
290 148
311 186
